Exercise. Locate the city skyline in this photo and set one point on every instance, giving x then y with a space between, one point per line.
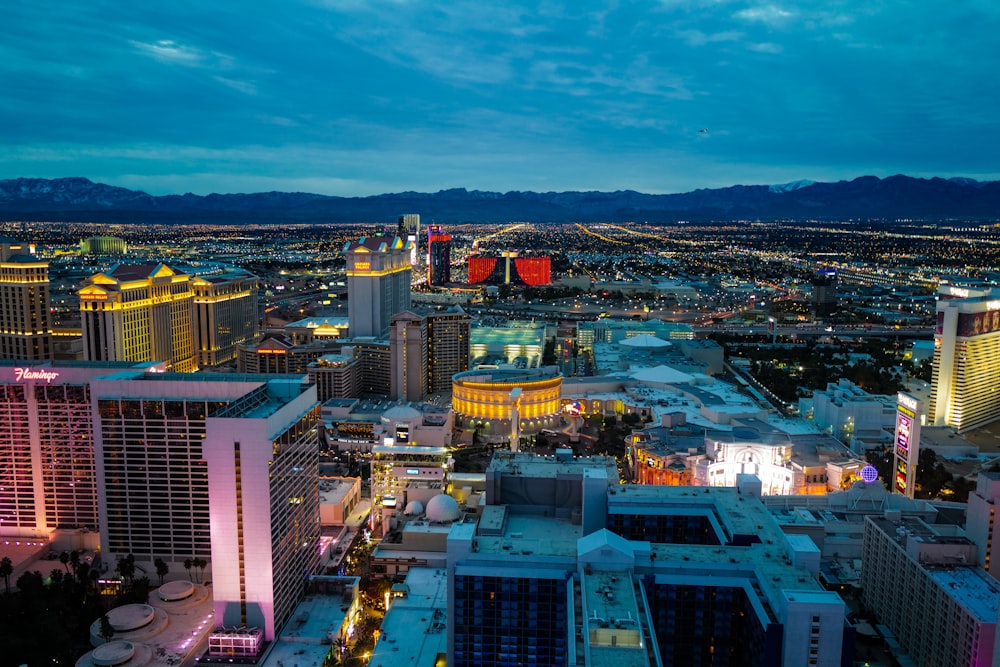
351 98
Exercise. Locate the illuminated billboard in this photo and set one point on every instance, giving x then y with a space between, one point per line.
906 450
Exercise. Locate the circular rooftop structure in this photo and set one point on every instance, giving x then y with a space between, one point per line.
131 617
443 509
401 413
173 591
493 398
113 653
644 342
414 508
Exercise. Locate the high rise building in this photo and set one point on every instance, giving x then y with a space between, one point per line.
336 375
981 520
408 349
139 312
567 567
225 315
447 347
25 319
824 292
921 581
47 477
438 256
409 228
378 283
965 382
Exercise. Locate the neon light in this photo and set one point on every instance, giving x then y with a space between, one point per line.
869 474
21 374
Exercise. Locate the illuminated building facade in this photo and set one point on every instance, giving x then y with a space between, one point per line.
438 256
139 312
25 319
567 567
981 520
276 354
378 283
965 382
408 345
225 315
262 454
507 402
509 268
335 376
47 476
921 581
448 347
408 227
103 245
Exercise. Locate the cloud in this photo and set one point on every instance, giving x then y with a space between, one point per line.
769 14
765 47
168 51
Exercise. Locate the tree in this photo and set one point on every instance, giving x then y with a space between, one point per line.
107 631
126 568
188 563
201 564
162 569
6 569
64 559
74 560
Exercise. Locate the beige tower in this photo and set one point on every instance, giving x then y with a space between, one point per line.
25 320
139 312
225 316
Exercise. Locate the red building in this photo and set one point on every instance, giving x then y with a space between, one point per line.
511 269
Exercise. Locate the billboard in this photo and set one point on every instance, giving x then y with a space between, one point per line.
906 449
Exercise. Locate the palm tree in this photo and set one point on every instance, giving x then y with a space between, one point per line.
74 560
162 569
126 568
187 566
6 569
107 630
64 559
200 563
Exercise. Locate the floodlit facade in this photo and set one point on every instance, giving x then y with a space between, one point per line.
139 312
965 383
438 256
378 283
225 315
448 347
47 474
507 402
25 319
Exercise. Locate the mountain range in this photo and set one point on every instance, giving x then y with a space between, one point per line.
867 198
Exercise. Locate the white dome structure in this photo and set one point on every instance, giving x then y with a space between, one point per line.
442 509
645 342
414 508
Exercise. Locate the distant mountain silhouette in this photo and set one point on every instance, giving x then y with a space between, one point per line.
868 197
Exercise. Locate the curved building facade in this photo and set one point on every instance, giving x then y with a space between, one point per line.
507 401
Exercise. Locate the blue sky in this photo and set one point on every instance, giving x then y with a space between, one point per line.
358 97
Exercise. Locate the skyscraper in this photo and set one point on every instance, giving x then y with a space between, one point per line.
965 383
447 348
225 315
409 359
25 320
409 229
438 256
378 283
139 312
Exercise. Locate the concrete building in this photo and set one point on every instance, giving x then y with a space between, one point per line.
225 315
409 356
276 354
847 411
438 256
378 283
47 470
139 312
25 314
965 381
566 567
358 425
335 376
981 523
448 347
921 581
507 403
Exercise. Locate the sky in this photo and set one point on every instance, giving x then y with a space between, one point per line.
362 97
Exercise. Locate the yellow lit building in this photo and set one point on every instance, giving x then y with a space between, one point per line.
378 283
965 384
139 312
225 315
25 320
506 401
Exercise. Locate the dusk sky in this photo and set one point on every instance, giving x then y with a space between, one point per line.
360 97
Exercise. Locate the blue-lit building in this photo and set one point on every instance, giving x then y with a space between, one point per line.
567 567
